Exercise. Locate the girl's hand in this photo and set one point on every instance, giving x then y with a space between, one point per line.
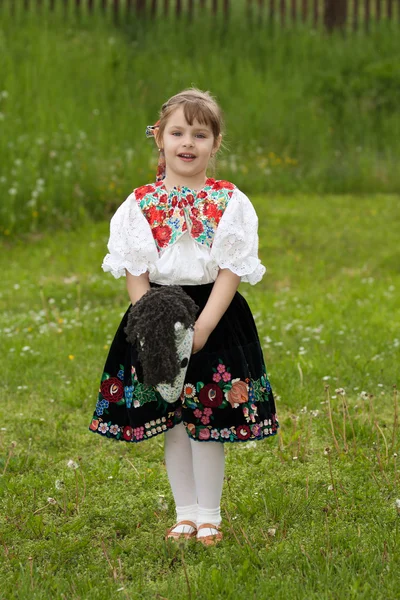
200 338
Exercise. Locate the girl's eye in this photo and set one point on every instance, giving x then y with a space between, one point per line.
176 133
201 135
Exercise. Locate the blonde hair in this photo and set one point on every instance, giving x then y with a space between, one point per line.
196 105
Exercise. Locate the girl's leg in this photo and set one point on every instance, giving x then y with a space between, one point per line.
178 460
208 468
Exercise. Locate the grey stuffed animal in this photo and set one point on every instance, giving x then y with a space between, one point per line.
161 325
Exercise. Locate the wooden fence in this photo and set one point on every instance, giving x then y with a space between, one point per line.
328 13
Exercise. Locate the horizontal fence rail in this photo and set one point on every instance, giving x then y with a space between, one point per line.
331 14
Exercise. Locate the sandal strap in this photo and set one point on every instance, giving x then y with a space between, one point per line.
186 523
209 526
190 523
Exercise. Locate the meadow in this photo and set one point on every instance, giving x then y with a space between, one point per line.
312 513
305 111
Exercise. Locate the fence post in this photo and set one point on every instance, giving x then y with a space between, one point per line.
304 10
335 14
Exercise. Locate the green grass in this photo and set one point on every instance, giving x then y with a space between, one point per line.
327 313
304 111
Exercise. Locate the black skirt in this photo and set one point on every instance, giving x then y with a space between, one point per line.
227 396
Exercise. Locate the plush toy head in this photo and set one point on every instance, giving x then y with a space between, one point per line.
162 322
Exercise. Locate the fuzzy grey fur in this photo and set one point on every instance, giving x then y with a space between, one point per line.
152 321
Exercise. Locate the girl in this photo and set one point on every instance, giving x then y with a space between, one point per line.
199 233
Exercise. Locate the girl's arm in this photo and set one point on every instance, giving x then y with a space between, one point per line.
224 289
137 285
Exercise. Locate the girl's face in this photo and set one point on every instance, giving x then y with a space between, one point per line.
187 148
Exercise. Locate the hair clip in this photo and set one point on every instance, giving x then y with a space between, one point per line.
150 129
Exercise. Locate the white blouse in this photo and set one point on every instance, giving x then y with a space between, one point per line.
132 247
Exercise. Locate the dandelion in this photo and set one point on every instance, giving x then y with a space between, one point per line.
326 377
71 464
340 391
59 484
330 488
71 356
51 500
271 531
364 395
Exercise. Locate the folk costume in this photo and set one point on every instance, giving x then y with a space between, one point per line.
183 237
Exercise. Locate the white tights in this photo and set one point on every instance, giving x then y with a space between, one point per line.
196 475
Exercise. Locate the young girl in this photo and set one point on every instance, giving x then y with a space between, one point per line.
199 233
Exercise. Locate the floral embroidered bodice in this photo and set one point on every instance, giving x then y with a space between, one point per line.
185 237
172 213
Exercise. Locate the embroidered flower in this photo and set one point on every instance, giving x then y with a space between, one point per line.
128 391
221 368
191 428
94 424
114 429
162 234
197 413
204 434
219 185
256 430
202 194
211 395
211 211
101 405
142 191
154 215
243 432
112 389
189 390
197 228
226 376
138 433
120 374
225 433
127 433
214 434
136 404
216 377
207 411
103 427
205 419
238 393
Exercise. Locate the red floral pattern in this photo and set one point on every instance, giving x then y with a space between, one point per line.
171 214
162 235
112 389
211 395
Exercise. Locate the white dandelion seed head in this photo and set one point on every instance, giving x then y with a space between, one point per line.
71 464
51 500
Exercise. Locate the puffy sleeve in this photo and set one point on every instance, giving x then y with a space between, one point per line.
131 244
235 244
